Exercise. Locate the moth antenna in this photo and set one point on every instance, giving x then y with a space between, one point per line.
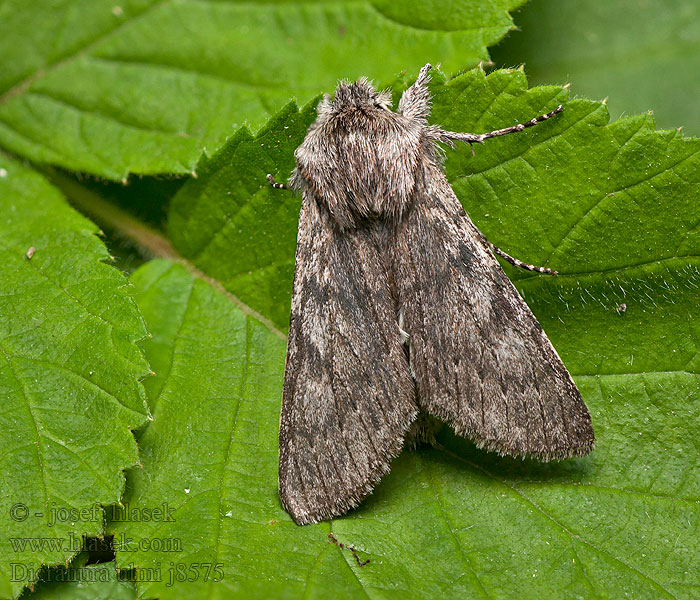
415 102
324 106
384 98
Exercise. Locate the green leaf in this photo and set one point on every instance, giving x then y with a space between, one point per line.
642 56
211 448
84 582
614 207
142 86
69 378
227 223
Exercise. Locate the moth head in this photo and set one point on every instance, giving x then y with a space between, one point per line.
359 157
356 97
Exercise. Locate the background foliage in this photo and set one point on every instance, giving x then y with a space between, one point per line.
641 56
162 88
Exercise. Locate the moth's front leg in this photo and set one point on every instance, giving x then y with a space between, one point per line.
274 184
449 137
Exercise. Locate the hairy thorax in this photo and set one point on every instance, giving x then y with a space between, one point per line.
362 160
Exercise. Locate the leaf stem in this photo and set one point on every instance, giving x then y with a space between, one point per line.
150 242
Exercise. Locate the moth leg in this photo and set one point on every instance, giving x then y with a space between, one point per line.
274 184
449 137
517 263
521 126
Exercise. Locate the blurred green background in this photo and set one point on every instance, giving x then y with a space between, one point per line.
640 54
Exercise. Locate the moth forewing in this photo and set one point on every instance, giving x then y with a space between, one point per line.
400 306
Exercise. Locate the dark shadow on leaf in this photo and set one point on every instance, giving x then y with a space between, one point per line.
512 469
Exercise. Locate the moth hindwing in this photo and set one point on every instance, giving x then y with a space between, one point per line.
400 307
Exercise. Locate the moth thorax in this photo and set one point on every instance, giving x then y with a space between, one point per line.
379 186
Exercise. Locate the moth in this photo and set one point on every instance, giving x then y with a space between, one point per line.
400 307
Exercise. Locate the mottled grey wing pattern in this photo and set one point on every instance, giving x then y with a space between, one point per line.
480 358
348 394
